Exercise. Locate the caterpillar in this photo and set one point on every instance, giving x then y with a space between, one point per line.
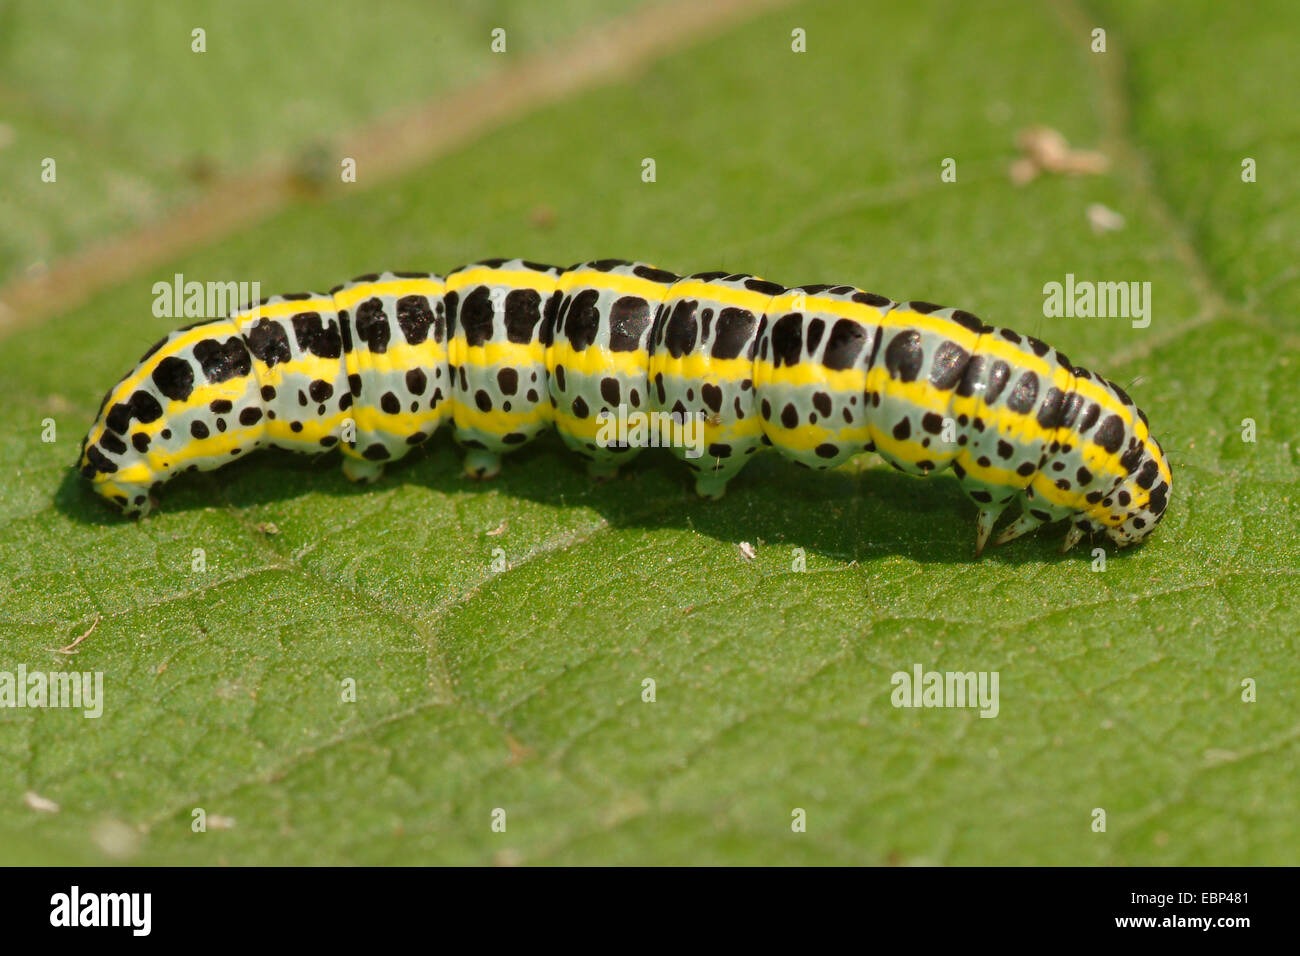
504 349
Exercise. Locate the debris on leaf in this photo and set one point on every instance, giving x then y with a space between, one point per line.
41 804
90 630
1104 219
542 217
116 839
1045 150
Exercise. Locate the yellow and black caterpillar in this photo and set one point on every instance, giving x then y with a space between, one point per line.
506 348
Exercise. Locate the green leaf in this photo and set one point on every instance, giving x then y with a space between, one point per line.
138 120
522 690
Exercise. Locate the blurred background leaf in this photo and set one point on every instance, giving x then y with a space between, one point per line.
140 123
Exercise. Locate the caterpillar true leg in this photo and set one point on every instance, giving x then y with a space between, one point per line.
1072 537
1022 525
723 364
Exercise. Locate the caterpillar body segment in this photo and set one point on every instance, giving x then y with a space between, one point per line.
702 363
391 389
598 353
502 350
497 357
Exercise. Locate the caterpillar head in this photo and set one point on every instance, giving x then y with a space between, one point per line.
1138 502
117 461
